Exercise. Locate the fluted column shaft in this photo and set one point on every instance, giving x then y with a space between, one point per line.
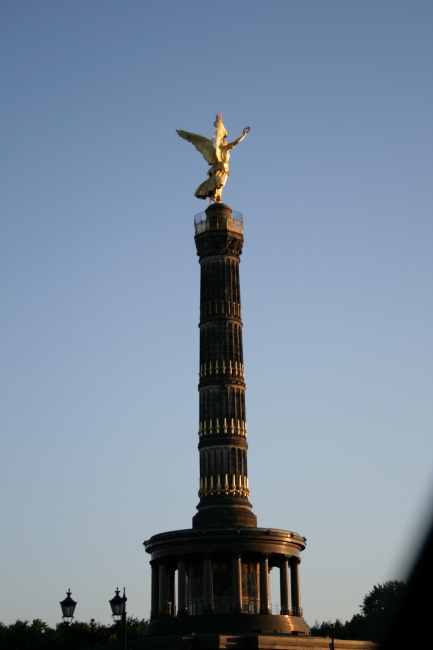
222 416
181 588
162 590
154 606
237 583
207 585
294 583
264 585
171 593
284 585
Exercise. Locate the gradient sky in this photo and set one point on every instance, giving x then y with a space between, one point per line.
100 285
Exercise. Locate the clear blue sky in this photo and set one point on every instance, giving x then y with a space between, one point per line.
100 285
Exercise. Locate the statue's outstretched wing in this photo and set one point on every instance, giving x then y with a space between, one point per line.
202 144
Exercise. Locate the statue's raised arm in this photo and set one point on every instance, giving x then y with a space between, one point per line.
232 145
217 155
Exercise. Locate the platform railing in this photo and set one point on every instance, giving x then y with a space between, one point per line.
225 606
203 222
195 608
285 611
251 606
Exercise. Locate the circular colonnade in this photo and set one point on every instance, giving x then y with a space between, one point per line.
224 582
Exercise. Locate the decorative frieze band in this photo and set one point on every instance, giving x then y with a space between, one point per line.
221 308
234 428
229 369
218 243
225 484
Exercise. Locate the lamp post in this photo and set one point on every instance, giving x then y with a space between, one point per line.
68 607
92 633
332 646
118 607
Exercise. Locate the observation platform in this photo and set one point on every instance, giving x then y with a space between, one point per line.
218 216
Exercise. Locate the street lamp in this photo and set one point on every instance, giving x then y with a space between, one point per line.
68 607
118 607
92 632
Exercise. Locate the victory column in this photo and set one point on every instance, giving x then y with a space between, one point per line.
223 561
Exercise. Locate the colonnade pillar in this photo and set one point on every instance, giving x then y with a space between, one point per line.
264 585
171 593
181 589
207 585
154 604
284 585
294 579
162 590
163 596
237 584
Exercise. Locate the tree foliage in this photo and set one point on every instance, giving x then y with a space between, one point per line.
37 635
383 598
378 609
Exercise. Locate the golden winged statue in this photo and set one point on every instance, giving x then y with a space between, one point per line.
216 152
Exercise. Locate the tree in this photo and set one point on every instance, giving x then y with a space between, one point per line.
378 609
22 635
383 598
37 635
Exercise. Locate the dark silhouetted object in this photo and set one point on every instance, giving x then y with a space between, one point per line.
378 609
118 607
411 626
68 607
